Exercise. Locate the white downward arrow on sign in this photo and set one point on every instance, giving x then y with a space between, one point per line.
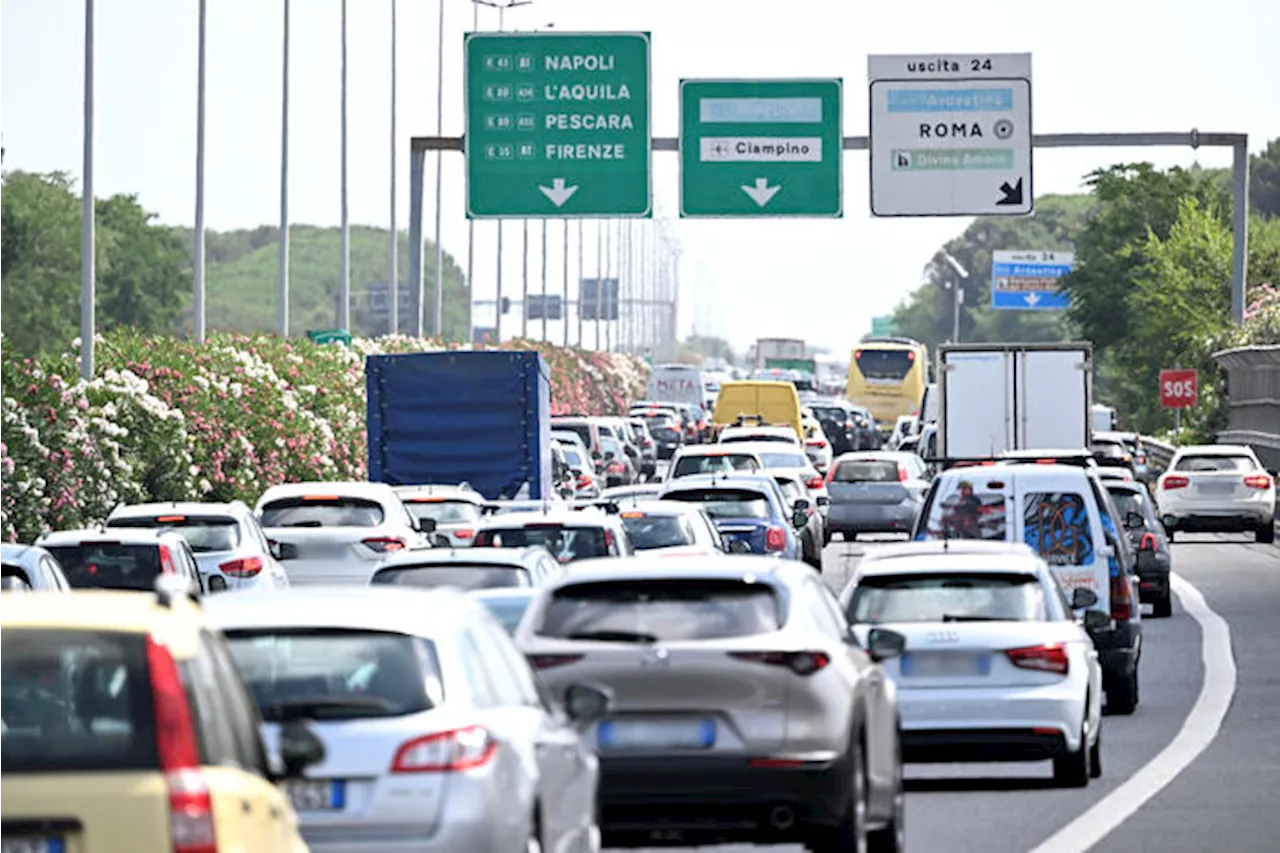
761 192
558 193
1032 299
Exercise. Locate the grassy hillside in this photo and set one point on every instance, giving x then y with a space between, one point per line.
242 275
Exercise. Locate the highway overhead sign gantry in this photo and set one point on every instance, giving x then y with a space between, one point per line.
760 148
951 135
1028 281
557 125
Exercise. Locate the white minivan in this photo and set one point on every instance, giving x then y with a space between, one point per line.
1063 513
677 383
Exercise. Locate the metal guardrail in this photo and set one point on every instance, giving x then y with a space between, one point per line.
1158 452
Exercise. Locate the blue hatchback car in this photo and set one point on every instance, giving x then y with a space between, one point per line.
746 508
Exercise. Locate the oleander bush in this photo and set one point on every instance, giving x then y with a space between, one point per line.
166 420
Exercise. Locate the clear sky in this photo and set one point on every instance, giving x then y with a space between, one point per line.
1099 65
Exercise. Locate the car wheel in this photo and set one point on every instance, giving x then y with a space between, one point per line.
1162 607
1168 532
892 837
1071 770
1266 534
850 835
1122 694
1095 755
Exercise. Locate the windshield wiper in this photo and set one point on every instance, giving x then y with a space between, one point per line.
965 617
614 636
312 523
320 706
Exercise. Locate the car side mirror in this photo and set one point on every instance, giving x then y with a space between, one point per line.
275 548
586 704
739 547
883 644
1134 521
800 503
426 525
300 747
1083 599
608 455
799 518
1096 620
575 472
441 541
823 500
288 551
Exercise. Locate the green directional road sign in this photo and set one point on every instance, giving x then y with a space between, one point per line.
760 148
557 125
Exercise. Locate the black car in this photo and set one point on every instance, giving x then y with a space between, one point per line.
1154 557
1111 453
666 432
839 424
648 447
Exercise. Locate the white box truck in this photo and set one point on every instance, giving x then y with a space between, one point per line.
999 397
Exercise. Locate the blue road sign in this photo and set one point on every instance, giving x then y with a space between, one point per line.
1028 281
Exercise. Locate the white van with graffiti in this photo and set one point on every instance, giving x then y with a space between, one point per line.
1064 514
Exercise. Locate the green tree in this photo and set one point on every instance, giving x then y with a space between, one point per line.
1132 202
147 267
1264 179
927 313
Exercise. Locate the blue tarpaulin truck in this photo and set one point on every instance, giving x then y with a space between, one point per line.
482 418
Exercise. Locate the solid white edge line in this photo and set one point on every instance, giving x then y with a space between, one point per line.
1198 731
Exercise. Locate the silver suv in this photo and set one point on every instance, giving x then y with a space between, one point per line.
744 708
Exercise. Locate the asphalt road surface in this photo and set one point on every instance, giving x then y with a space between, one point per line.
1226 798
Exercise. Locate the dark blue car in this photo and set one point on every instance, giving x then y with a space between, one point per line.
746 508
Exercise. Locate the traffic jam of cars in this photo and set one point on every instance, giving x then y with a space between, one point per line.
611 631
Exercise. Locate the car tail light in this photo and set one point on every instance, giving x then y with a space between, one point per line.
384 544
902 473
801 663
170 519
1148 542
616 468
816 442
191 823
446 752
814 483
911 356
775 539
1172 481
1121 596
464 533
550 661
609 541
1051 657
831 474
648 442
584 481
1258 481
245 568
166 561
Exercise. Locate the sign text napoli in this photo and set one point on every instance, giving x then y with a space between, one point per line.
557 125
950 135
1028 281
760 148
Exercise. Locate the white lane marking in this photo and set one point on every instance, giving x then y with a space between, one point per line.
1198 731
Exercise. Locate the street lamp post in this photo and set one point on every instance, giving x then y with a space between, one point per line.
198 315
87 238
394 260
282 287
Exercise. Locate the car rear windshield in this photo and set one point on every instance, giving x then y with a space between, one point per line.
962 510
661 610
1215 463
784 460
75 701
582 431
649 531
948 597
725 503
884 364
565 543
108 565
714 463
443 511
336 674
322 511
468 576
866 471
204 534
777 438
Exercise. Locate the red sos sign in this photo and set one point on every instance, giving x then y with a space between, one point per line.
1179 389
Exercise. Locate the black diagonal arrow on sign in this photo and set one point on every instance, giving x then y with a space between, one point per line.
1011 194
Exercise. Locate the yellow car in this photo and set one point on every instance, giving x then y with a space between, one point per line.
127 728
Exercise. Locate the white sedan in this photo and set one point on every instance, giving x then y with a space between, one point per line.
995 667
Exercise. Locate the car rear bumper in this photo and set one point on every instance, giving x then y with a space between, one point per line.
1045 715
449 835
1118 648
872 518
1235 520
306 572
719 797
923 746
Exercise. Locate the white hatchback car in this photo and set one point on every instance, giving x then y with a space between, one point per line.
454 510
995 667
336 532
1217 487
436 735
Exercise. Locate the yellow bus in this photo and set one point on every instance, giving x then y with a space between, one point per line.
888 377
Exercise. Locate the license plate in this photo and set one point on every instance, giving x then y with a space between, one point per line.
1216 488
925 665
32 844
315 795
657 734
